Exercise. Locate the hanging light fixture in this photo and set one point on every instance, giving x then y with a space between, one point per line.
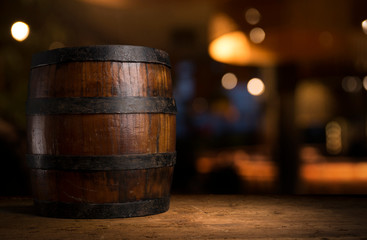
232 48
230 45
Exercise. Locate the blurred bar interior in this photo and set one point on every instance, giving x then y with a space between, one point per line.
271 94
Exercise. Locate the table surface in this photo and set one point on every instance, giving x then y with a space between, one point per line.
204 217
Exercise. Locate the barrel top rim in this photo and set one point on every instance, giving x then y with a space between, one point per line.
118 53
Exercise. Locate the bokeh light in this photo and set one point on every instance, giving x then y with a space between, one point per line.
256 86
231 48
19 31
351 84
333 138
365 82
257 35
252 16
364 26
229 81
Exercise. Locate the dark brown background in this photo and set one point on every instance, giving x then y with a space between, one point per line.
279 152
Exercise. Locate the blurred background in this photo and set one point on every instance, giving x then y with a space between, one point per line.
271 94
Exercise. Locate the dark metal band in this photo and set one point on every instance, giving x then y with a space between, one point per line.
103 210
119 53
101 163
47 106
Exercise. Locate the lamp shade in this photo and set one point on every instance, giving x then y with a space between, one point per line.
229 44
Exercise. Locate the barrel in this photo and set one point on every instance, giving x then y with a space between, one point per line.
101 131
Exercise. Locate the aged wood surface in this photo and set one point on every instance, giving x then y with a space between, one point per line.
101 186
116 53
102 134
204 217
100 79
70 114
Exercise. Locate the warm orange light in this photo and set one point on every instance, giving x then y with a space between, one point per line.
108 3
19 31
256 86
364 82
334 144
334 172
221 24
230 45
232 48
364 26
314 103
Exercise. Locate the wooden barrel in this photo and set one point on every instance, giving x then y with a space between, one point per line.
101 131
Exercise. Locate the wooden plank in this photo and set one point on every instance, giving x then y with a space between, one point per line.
204 217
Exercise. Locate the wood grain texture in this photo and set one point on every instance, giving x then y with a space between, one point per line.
259 217
101 186
100 79
101 134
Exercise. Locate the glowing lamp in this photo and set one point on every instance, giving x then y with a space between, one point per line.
19 31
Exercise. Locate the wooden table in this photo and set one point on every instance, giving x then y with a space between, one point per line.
204 217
